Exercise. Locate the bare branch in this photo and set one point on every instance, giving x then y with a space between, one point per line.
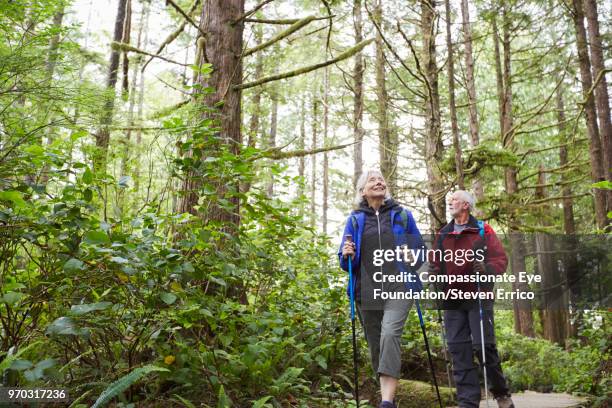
174 34
275 154
186 15
252 11
282 21
167 111
283 34
346 54
128 48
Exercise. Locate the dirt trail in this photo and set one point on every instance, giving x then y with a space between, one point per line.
531 399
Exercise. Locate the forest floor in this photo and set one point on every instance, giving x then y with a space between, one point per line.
532 399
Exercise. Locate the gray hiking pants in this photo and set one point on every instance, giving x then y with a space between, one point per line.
463 337
383 331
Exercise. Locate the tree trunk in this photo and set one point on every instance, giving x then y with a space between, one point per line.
132 93
471 90
254 122
570 264
451 99
387 149
554 309
434 149
50 64
139 113
569 225
313 176
325 144
272 136
601 91
222 49
595 151
58 18
523 316
103 134
125 39
301 159
358 95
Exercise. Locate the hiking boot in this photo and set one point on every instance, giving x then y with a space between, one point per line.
505 402
387 404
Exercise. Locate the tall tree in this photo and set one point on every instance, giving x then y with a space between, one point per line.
256 99
301 146
601 90
451 98
553 309
54 42
386 146
595 150
523 316
140 104
313 172
222 21
103 134
570 263
471 89
271 143
50 63
434 149
326 85
358 94
136 68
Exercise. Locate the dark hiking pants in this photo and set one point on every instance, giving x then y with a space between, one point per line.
463 336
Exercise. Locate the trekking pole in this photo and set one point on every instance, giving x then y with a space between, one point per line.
480 312
482 343
349 238
444 348
447 360
433 372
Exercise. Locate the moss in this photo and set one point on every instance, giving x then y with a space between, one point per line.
417 394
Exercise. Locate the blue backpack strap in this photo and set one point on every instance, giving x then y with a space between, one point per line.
354 223
481 231
404 218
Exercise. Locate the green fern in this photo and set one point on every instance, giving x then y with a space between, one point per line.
185 401
8 360
123 383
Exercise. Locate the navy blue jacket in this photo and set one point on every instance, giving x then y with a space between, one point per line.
405 234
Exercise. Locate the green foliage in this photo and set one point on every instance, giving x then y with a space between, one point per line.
123 383
101 276
537 364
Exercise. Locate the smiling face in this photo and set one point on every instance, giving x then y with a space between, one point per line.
456 205
375 187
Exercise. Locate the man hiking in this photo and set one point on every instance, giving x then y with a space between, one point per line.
463 318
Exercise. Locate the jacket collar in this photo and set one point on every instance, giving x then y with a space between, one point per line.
471 224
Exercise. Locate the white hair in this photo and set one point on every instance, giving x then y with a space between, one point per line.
467 197
361 182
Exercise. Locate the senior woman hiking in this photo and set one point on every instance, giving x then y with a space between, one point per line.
378 223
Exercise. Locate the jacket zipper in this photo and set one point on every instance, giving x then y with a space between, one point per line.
380 248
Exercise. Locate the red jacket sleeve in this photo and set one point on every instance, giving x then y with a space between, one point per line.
496 259
433 257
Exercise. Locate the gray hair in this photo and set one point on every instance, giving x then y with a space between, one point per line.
361 182
467 197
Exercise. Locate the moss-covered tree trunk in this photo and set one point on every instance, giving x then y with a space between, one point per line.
222 47
358 70
523 316
434 149
471 90
595 148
